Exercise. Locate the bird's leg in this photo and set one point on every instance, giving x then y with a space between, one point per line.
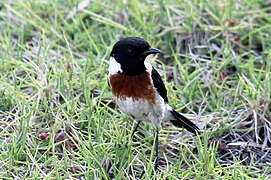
156 132
136 126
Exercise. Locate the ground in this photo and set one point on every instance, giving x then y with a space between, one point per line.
57 117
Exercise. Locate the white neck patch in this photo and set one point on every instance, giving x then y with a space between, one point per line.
114 66
148 66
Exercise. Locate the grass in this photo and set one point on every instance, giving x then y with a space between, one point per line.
57 119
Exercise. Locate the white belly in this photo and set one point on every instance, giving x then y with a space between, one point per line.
143 110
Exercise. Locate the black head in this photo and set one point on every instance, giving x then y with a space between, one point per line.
131 53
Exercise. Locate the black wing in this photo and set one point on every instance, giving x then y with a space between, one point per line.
179 120
159 84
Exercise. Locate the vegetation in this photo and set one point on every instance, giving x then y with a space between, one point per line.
57 117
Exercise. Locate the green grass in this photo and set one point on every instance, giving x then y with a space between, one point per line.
53 82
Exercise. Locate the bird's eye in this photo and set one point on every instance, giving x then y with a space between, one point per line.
130 51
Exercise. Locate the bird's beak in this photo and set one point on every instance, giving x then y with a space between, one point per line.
151 51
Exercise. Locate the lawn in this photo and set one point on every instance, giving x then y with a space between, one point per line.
57 117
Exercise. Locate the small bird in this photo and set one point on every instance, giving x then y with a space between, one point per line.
138 89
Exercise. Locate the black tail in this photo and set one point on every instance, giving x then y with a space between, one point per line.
182 121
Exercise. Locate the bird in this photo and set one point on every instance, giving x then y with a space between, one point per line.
138 89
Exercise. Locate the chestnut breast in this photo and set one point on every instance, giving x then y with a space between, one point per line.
135 87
